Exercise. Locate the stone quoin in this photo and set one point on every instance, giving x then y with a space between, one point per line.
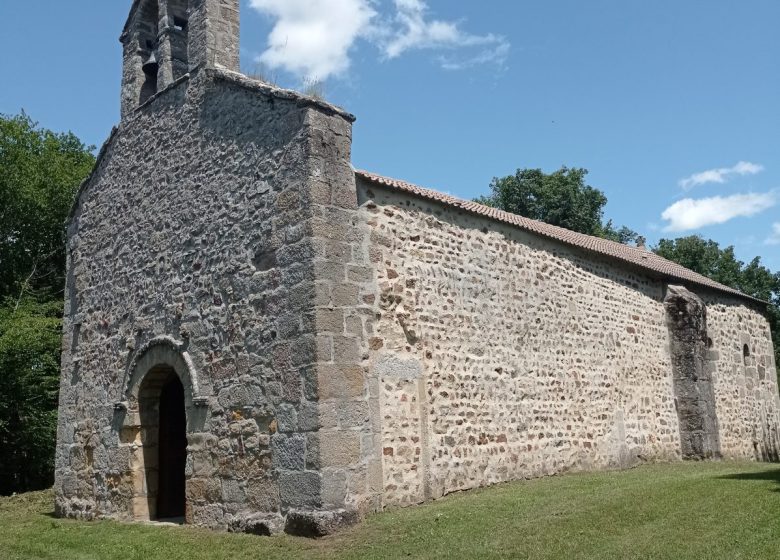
259 338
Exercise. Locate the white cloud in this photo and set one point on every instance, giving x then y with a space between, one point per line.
494 55
415 32
774 237
313 38
720 175
689 213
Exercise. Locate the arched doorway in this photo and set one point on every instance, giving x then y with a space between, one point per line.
161 405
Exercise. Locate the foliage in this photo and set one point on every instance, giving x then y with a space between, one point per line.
262 73
41 171
561 198
30 339
314 88
624 234
702 256
707 258
670 511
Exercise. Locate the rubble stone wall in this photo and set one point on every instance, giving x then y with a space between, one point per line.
501 355
746 394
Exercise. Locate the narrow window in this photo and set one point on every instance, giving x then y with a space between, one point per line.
745 354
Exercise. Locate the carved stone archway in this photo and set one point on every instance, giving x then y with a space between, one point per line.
159 367
162 350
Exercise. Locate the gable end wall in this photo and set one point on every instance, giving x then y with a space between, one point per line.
202 226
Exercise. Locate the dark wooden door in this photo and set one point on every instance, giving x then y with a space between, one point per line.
172 451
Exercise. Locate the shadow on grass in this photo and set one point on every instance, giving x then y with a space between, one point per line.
770 475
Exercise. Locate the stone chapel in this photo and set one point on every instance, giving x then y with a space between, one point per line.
260 338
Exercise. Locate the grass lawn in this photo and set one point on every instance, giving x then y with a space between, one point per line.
692 510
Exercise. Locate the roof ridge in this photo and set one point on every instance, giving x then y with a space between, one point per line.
635 256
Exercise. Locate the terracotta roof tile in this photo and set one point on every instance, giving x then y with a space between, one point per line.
641 258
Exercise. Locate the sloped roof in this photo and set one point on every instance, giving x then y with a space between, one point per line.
641 258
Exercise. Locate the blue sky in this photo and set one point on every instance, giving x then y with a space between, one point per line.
673 105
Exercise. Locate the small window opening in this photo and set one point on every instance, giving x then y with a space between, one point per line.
745 353
709 342
149 44
179 24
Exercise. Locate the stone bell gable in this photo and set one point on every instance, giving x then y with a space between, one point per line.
165 39
259 338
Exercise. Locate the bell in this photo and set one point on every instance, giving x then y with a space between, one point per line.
151 65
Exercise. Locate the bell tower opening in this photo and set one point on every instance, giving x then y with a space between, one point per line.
150 69
164 40
141 45
147 27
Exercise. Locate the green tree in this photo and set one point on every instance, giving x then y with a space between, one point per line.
703 256
40 172
30 339
562 198
707 258
623 234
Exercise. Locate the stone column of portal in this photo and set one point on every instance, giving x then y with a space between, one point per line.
214 30
686 318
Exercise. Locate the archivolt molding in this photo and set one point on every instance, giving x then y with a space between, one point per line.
162 350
